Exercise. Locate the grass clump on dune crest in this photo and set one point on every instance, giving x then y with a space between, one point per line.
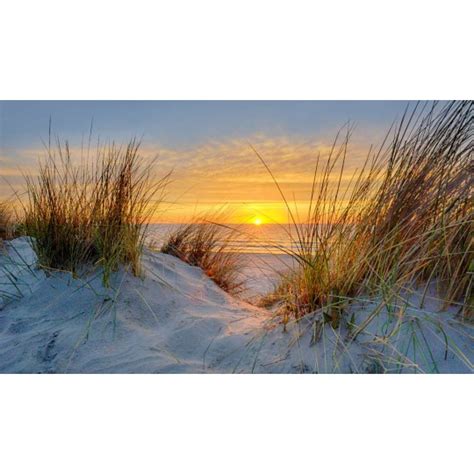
6 221
205 244
93 211
405 219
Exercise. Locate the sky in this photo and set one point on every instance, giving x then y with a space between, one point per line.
206 145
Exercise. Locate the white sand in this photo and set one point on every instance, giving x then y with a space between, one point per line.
176 320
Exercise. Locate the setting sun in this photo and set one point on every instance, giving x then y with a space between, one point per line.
257 221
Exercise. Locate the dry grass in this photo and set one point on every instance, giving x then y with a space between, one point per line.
94 211
205 244
6 221
406 219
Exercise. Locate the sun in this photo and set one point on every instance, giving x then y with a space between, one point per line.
257 221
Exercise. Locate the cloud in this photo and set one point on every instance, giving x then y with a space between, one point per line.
218 172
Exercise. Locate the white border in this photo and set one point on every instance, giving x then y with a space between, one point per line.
236 50
235 424
245 49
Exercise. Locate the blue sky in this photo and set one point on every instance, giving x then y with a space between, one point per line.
186 123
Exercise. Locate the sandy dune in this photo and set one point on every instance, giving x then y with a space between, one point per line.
176 320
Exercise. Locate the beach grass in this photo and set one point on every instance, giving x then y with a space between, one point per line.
205 243
405 220
6 221
93 209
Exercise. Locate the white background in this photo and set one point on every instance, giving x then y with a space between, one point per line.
236 50
243 49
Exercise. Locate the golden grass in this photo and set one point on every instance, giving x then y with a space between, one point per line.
205 244
407 219
6 221
94 211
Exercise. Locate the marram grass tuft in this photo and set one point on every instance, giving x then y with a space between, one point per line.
88 210
405 220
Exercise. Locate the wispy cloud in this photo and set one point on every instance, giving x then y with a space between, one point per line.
219 172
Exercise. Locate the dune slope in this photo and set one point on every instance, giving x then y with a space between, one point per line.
176 320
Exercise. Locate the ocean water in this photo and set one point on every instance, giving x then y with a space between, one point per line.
247 238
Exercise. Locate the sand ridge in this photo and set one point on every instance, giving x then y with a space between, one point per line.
176 320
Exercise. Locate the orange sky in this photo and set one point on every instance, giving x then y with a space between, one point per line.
227 174
230 174
206 145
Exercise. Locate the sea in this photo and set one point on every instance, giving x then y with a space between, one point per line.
247 238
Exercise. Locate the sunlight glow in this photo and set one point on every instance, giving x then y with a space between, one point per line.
257 221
